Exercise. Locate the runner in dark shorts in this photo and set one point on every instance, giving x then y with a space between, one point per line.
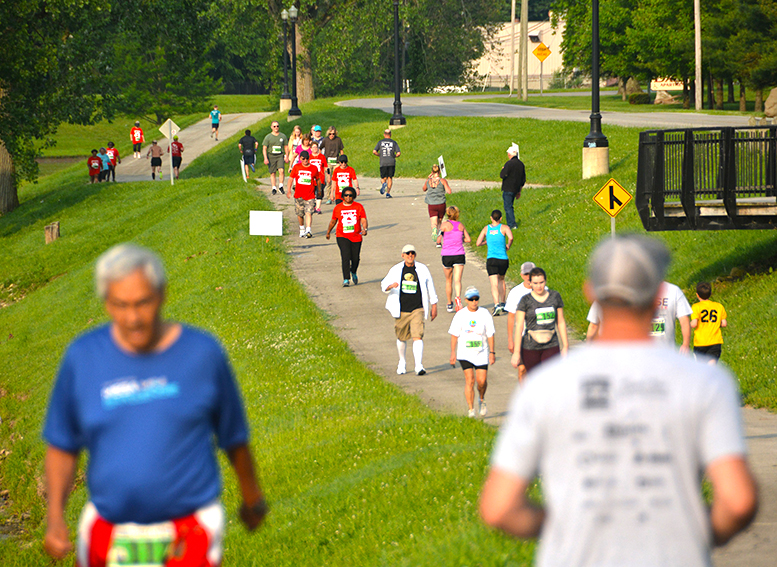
387 171
713 351
497 267
457 260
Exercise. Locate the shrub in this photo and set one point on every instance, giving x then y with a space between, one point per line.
639 98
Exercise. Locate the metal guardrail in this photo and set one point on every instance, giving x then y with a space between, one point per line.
707 178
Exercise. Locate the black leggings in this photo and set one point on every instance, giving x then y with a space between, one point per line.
349 255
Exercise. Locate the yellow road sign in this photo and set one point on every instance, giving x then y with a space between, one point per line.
541 52
612 198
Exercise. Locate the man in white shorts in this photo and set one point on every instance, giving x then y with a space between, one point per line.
621 431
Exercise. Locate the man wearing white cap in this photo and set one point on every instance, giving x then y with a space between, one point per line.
513 176
472 344
621 431
411 300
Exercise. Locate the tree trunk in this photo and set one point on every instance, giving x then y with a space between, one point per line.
9 198
731 90
742 101
622 88
686 94
759 100
304 72
718 94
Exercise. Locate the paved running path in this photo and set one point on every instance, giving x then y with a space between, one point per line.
359 316
456 106
196 141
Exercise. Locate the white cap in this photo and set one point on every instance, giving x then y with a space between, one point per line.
408 248
514 149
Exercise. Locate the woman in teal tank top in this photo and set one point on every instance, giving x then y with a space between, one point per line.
498 237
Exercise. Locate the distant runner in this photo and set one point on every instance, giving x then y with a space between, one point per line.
274 149
155 152
332 146
343 176
707 320
105 168
452 236
351 221
115 158
436 188
95 165
304 177
215 120
511 306
388 151
176 150
499 238
318 159
137 139
472 344
248 147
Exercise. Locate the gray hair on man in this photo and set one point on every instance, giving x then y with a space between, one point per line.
122 260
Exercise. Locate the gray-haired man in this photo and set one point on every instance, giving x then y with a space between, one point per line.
145 397
621 431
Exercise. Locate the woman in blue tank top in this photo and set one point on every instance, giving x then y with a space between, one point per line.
498 237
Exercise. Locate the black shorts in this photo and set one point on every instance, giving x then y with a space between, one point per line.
214 125
136 147
497 267
248 160
177 161
466 365
156 162
450 261
386 171
713 351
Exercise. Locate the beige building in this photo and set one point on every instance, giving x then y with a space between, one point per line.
494 66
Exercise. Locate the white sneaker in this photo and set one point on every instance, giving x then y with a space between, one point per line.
483 409
401 369
471 413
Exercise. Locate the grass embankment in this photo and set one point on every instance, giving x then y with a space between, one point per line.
357 472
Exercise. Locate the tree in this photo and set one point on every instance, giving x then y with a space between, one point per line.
50 72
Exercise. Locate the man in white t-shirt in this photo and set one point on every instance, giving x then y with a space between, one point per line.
671 305
511 306
621 432
472 344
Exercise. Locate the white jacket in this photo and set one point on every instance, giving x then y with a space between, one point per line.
428 295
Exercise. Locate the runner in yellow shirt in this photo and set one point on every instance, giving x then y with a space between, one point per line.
707 319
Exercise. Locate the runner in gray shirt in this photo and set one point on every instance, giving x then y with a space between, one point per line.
388 150
621 432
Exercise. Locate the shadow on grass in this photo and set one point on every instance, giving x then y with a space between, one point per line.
46 206
756 260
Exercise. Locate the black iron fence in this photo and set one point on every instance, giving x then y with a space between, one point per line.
708 178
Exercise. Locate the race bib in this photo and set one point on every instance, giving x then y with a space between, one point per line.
95 166
343 181
135 545
545 315
473 344
305 178
659 327
409 286
276 149
331 160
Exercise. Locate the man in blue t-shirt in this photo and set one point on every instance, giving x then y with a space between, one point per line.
145 397
215 119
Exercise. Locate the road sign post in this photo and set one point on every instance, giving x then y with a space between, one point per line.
170 129
612 198
541 52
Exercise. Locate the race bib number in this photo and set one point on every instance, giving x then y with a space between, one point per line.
659 327
409 286
95 166
545 315
276 149
474 344
305 178
135 545
331 160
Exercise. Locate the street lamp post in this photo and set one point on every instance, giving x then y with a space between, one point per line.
285 97
397 119
596 151
294 111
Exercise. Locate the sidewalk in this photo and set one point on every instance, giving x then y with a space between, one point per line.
359 316
196 141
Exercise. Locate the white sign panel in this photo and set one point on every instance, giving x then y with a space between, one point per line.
169 129
666 85
265 223
441 163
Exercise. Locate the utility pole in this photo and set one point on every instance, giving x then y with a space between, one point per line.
512 47
697 41
524 55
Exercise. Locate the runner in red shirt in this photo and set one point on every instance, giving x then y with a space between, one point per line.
319 160
351 221
95 164
343 176
305 178
115 158
177 149
137 139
